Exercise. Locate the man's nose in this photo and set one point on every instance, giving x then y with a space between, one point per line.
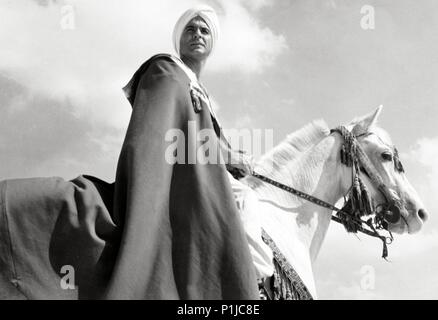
197 34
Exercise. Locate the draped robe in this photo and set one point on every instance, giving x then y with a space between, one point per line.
160 231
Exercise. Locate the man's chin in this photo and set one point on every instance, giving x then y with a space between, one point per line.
199 54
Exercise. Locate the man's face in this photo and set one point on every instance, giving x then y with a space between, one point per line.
196 42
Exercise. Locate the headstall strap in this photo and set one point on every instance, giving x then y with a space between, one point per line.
358 202
397 163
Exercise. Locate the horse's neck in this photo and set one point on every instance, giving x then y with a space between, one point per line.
297 226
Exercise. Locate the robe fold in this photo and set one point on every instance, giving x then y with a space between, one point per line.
162 230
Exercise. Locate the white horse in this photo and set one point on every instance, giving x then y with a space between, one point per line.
309 160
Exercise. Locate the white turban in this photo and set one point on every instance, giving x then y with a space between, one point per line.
207 13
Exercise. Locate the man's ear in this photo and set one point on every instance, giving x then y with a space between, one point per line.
364 124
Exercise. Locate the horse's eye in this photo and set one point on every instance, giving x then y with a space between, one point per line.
387 156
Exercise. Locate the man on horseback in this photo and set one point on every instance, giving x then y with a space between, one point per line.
166 94
195 35
171 229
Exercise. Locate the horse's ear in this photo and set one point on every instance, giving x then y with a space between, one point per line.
364 124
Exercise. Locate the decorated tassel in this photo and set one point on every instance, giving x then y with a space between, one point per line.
349 225
356 197
347 219
385 248
348 157
343 155
366 199
351 152
352 227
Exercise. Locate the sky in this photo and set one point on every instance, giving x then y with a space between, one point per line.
278 66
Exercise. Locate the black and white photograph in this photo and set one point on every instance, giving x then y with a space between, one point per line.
248 150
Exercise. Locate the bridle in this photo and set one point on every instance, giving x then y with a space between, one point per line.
353 155
358 202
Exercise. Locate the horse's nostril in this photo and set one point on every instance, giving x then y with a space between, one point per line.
422 214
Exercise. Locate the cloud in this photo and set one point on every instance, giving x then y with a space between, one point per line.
87 50
245 45
40 136
426 152
422 169
256 4
414 245
340 269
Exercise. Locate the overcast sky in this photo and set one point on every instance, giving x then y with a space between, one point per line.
279 65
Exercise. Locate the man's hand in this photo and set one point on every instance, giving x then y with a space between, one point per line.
243 162
237 160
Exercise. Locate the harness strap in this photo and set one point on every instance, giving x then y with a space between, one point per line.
327 205
390 211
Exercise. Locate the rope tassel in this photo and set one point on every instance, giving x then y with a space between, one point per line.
385 248
356 197
366 199
349 223
343 155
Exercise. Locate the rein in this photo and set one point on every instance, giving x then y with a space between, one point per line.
340 219
359 202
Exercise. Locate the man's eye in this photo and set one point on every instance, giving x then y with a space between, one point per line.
205 31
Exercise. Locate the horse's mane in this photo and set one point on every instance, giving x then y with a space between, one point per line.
293 145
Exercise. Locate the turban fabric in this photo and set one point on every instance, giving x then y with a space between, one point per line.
206 13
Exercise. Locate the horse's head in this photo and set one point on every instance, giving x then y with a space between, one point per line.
382 154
